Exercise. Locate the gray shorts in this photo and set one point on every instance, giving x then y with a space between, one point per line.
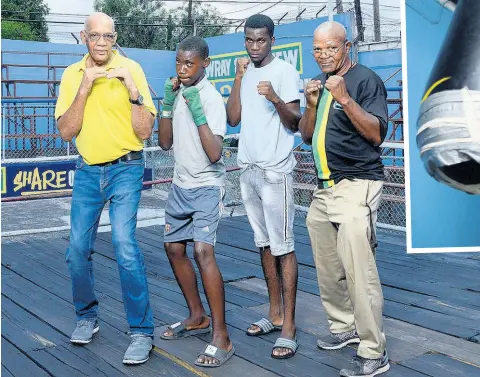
193 214
269 203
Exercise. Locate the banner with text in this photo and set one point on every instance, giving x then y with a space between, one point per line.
38 178
222 67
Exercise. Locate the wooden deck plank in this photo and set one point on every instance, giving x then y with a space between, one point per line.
408 313
428 286
17 363
5 371
442 366
238 365
110 345
434 307
241 318
32 335
415 340
427 298
189 348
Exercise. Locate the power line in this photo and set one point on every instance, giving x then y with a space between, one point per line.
117 24
239 2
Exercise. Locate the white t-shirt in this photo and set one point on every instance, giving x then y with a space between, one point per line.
192 165
264 141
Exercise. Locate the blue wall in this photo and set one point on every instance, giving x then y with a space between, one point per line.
384 62
441 216
158 65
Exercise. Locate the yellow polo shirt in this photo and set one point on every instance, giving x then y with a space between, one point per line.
107 131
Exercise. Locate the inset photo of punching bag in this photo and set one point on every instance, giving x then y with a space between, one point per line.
442 64
448 134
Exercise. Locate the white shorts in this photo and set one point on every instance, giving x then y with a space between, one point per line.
269 202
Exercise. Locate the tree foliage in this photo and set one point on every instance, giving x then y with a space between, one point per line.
160 28
25 19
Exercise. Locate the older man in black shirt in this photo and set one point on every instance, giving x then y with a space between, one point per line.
345 121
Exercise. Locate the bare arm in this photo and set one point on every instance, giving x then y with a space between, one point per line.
212 144
165 127
70 123
142 118
165 134
234 104
366 124
289 114
307 124
309 117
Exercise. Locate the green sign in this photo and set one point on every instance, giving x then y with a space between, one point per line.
222 67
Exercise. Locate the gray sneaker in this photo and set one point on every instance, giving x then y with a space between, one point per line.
367 367
139 349
337 341
84 331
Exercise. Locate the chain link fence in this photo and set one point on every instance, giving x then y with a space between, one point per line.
29 133
391 214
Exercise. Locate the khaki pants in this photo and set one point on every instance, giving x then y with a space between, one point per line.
340 226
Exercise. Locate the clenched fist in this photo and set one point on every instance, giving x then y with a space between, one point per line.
312 92
242 65
336 86
265 89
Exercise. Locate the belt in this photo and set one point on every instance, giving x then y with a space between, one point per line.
128 157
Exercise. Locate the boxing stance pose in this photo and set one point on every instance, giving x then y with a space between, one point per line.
195 122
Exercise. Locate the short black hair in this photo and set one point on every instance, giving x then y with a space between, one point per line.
259 21
195 44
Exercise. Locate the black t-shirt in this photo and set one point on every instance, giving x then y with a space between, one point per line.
348 154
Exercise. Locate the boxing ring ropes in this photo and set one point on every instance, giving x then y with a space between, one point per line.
29 135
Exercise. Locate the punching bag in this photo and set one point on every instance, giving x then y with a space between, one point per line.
448 134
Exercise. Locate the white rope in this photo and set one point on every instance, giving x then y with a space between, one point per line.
59 158
102 227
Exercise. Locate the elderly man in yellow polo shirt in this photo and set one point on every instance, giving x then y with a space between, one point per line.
105 104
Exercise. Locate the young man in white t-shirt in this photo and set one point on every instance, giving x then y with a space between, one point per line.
265 98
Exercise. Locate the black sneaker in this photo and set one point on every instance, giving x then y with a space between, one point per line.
337 341
367 367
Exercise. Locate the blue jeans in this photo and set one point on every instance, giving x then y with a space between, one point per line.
121 186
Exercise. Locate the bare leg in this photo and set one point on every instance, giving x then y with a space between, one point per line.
214 289
185 274
289 278
271 270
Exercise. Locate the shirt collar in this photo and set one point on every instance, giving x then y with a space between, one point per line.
201 84
114 63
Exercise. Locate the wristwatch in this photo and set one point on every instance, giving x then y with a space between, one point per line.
138 101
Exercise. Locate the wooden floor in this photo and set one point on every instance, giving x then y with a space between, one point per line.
432 311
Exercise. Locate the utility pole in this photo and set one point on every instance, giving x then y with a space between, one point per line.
339 6
189 14
376 20
358 17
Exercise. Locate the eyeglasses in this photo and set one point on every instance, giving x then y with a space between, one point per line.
330 51
108 37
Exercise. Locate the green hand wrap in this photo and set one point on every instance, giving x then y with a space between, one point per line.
168 98
192 97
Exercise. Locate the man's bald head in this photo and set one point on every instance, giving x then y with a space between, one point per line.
99 19
331 47
100 37
333 30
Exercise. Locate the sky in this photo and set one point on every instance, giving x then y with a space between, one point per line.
74 10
